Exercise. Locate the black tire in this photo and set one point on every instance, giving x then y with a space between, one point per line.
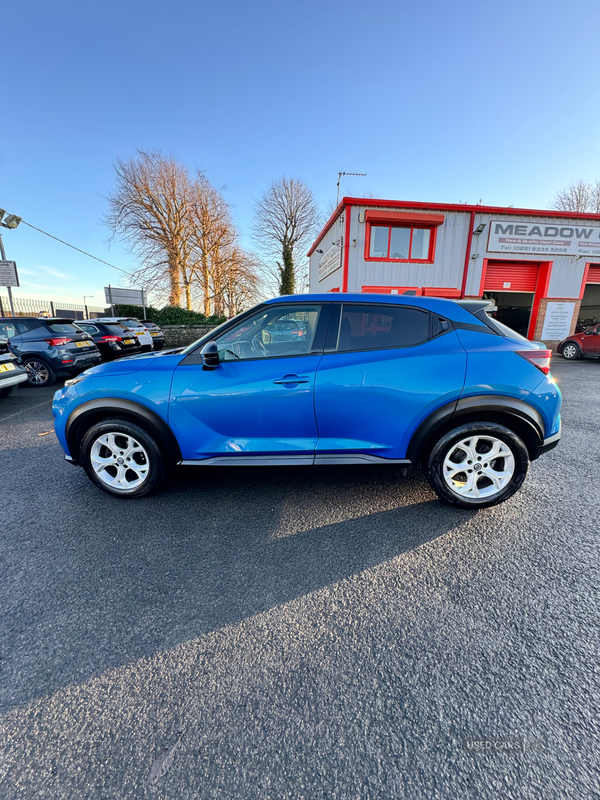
39 372
152 462
8 390
439 469
571 351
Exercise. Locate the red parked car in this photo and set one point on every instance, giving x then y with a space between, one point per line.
581 345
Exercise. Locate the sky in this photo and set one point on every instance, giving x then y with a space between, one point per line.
437 101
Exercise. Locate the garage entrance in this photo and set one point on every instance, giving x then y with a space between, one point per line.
589 311
514 309
516 288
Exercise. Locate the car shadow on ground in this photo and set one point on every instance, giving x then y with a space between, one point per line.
118 580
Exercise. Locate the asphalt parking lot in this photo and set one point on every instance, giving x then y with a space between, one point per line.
299 632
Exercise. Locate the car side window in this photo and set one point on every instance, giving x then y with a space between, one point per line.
273 332
8 329
378 327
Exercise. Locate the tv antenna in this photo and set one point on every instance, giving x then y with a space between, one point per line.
357 174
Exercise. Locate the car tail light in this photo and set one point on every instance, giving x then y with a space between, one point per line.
297 333
539 358
111 339
56 342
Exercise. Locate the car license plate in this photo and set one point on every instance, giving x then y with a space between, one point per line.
128 341
6 367
82 344
154 333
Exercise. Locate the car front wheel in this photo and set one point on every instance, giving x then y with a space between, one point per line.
477 465
122 459
570 351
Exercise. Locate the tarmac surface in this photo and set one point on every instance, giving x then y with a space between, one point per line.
299 632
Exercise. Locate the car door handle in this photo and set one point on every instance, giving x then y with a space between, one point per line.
293 379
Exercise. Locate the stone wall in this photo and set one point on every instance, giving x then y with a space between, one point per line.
182 335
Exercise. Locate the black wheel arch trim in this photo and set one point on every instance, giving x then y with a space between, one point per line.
484 404
94 410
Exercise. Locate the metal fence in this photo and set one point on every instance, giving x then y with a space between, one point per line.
26 307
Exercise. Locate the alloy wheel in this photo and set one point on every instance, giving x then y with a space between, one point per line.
119 461
478 467
37 372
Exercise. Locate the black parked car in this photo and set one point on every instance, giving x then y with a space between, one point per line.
113 339
49 346
12 373
158 337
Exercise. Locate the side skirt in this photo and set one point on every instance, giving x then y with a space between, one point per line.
290 460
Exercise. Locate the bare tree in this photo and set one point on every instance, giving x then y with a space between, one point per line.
213 236
582 196
180 229
285 219
149 210
235 282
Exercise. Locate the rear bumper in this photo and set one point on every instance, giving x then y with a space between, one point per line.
13 378
78 364
549 443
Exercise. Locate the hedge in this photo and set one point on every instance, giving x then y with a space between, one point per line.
169 315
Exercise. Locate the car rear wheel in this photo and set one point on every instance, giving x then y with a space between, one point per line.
477 465
39 373
570 351
122 459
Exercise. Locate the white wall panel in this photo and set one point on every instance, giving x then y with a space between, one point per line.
449 258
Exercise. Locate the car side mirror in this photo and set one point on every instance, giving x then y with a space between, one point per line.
210 356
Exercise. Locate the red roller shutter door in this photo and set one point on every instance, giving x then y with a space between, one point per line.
522 277
593 275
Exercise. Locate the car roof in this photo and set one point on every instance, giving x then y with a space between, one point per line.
110 319
459 310
39 319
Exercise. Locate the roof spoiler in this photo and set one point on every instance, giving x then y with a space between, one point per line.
476 305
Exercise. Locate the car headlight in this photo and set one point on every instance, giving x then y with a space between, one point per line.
73 381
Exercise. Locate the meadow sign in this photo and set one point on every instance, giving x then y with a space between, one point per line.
540 238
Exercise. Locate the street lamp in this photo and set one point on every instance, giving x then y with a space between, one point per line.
11 222
85 306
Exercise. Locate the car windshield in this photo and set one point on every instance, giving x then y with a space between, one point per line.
116 328
131 323
64 327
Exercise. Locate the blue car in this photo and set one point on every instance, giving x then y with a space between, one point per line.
375 379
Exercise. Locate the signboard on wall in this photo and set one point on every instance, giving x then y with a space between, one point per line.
538 238
330 260
557 322
8 273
